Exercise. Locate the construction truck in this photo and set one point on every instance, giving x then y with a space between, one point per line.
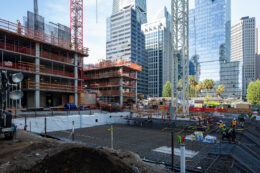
6 84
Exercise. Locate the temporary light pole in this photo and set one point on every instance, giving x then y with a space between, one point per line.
112 137
180 49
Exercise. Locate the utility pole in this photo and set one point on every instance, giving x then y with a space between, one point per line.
180 50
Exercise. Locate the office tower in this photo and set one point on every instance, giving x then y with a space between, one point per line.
158 49
210 32
125 39
257 40
243 48
257 53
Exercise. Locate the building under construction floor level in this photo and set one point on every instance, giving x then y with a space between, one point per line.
113 81
52 70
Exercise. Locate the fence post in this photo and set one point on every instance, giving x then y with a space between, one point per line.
45 126
112 137
25 122
172 134
73 137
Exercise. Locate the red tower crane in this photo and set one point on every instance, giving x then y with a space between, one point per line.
76 24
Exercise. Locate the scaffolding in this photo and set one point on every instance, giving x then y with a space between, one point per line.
36 35
49 69
113 81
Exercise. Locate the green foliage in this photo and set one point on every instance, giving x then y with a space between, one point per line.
253 92
193 83
208 84
220 90
199 88
167 89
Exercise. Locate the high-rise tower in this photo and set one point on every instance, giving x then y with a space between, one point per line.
125 39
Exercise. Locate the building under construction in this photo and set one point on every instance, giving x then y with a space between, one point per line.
113 81
52 67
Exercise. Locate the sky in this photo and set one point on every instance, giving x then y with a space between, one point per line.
58 11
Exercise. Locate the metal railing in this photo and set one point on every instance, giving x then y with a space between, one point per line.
39 36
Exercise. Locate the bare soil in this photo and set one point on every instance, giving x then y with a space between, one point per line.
33 153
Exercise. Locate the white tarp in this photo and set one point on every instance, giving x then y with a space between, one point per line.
177 151
59 123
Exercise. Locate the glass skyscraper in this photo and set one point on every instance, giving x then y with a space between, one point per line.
210 30
125 40
158 49
209 41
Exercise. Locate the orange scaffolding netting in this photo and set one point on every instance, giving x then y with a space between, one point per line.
39 36
118 63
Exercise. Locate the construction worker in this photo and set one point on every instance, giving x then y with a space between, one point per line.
234 123
220 124
224 131
252 117
241 119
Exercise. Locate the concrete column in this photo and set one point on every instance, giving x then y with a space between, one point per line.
76 79
121 87
37 76
183 166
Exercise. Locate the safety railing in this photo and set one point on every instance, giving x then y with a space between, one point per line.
48 86
102 75
107 64
18 66
16 48
33 34
55 57
55 72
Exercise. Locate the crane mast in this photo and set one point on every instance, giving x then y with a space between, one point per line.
180 51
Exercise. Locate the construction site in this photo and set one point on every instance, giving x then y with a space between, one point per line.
89 118
114 82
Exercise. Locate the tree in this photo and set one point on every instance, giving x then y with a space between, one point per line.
167 89
199 88
208 84
220 90
253 92
193 83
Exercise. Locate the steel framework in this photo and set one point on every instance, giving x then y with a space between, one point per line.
180 49
76 24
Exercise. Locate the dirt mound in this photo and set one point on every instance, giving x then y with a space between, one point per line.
84 160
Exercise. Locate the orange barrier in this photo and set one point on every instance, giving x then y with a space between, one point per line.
33 34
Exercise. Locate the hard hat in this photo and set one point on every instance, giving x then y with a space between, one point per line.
224 125
220 121
234 119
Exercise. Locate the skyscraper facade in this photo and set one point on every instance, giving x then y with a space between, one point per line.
210 36
210 42
243 48
158 49
125 39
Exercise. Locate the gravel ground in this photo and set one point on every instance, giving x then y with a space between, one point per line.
139 140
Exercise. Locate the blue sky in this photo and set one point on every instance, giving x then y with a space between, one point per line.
95 32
